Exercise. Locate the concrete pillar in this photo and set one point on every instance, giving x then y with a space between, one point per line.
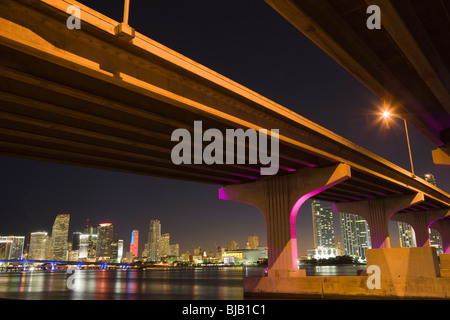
377 213
443 227
279 198
420 222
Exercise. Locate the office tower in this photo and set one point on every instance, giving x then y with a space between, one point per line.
355 235
165 245
39 245
232 245
407 235
134 245
154 241
11 247
88 244
430 178
5 248
435 237
253 242
76 240
60 234
322 225
119 250
174 250
104 241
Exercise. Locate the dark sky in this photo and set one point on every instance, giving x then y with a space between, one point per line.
253 45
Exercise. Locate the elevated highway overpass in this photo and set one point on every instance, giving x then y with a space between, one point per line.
406 62
105 96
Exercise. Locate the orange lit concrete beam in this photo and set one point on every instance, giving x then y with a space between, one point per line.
441 156
279 199
378 212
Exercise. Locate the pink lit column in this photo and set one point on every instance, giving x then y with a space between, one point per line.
279 198
443 227
377 213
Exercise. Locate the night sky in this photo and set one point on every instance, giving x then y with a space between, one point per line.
253 45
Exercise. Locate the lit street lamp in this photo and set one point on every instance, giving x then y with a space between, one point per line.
387 114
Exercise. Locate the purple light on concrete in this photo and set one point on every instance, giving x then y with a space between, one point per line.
293 219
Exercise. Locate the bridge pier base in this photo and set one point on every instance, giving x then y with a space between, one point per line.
279 198
377 213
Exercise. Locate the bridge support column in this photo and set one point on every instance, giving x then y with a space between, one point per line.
279 198
420 221
377 213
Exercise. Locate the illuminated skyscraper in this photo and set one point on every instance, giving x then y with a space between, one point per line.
253 242
165 245
60 235
38 246
355 235
134 245
11 247
154 241
104 241
407 235
435 237
322 225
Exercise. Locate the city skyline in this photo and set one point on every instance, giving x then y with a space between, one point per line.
260 50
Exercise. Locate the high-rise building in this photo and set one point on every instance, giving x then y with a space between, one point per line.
165 245
406 235
435 237
39 246
11 247
355 235
134 244
253 242
233 245
88 244
174 250
430 178
60 235
104 241
154 241
322 225
76 240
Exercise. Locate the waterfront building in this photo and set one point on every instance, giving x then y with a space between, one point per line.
134 244
435 237
60 235
406 235
233 245
355 235
11 247
165 245
175 250
253 242
322 253
154 241
244 256
323 228
104 241
39 245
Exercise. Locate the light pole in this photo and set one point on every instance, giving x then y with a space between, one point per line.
126 11
387 115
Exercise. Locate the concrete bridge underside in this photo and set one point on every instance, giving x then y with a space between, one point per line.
108 97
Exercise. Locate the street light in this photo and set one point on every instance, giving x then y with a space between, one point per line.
387 114
126 11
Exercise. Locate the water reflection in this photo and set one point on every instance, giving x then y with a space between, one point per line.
151 284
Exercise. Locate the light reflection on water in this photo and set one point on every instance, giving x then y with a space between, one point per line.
151 284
